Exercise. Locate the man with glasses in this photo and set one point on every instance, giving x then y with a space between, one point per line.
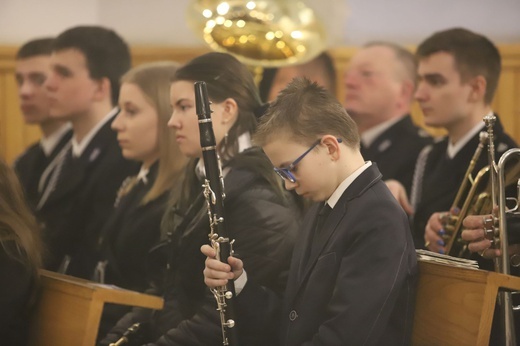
353 271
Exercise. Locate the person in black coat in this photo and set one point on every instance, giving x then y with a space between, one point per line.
144 136
78 198
20 259
32 65
353 273
442 178
379 86
260 216
458 73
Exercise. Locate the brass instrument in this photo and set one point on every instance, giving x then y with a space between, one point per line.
127 335
452 223
475 194
496 229
260 33
214 194
267 33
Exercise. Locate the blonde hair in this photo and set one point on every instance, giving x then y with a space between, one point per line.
17 222
153 79
306 111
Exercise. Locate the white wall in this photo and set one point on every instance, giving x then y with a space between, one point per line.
162 22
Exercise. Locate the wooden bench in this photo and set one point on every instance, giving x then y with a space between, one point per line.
455 306
69 309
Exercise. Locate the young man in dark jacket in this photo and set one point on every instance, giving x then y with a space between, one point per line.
353 271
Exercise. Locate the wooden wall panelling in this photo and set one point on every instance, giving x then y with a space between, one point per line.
18 135
15 136
3 120
504 102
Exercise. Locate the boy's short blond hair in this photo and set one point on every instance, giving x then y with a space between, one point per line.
306 111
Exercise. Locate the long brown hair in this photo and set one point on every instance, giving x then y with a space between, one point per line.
17 223
153 79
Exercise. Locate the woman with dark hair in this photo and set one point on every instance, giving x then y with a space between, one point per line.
20 259
261 216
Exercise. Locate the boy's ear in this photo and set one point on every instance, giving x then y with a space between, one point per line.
103 89
332 145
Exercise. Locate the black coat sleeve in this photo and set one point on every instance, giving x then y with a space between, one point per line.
264 229
15 292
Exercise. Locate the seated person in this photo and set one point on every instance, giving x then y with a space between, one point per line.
260 216
458 74
134 226
20 259
32 66
353 273
379 84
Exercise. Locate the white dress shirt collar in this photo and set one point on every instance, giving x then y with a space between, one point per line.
79 148
50 142
369 136
453 149
336 195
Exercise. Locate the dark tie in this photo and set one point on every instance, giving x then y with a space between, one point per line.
322 217
318 229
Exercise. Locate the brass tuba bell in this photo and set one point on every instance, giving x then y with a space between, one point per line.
264 33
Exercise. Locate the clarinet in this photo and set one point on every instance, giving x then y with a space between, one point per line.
127 336
214 194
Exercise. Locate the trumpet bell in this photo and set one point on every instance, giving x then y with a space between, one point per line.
267 33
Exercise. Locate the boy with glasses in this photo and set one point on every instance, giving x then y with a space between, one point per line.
353 272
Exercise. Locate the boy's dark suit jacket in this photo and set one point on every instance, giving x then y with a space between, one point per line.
82 202
353 283
396 149
30 165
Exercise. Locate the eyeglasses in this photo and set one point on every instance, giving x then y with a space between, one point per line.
285 173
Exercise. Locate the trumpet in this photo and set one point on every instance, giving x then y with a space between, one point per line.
452 222
475 196
496 228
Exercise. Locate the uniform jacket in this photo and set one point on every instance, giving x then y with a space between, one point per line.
130 233
354 283
132 230
264 228
82 202
443 177
30 165
395 150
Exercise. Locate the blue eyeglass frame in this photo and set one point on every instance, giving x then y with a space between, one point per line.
285 173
